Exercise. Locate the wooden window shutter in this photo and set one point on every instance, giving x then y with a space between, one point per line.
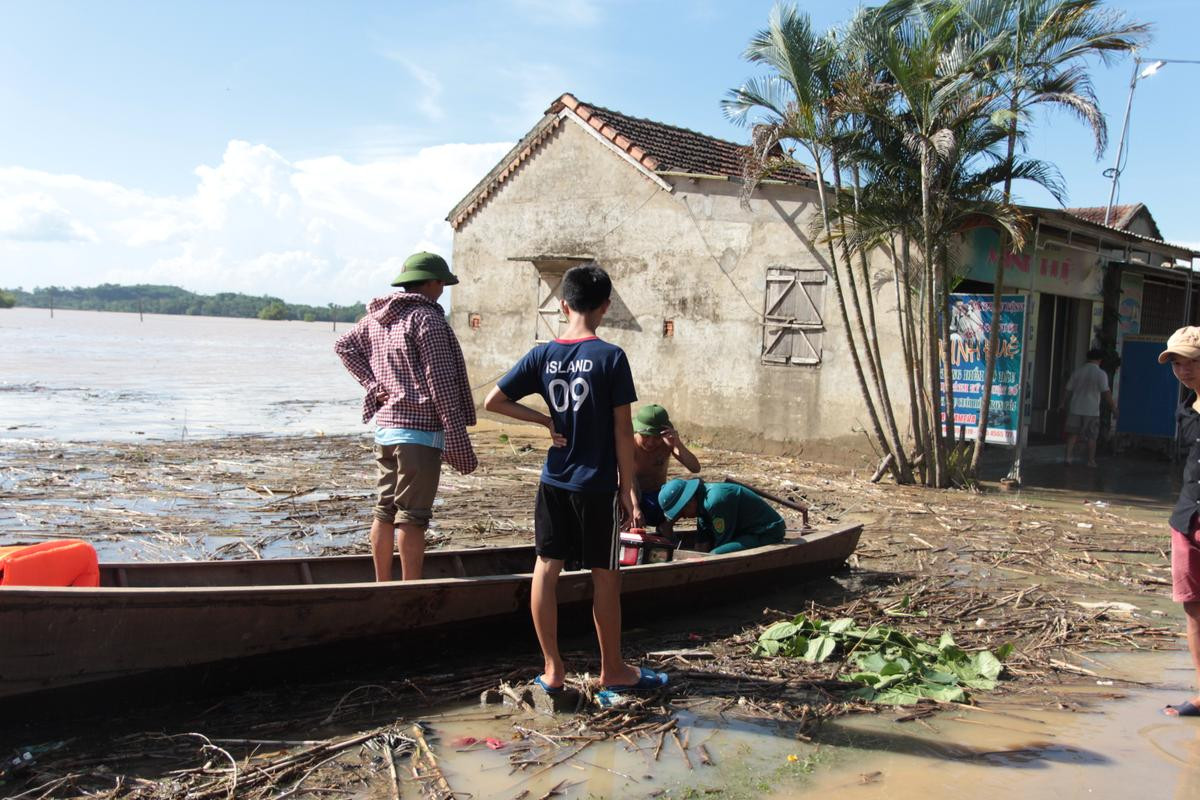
793 322
779 311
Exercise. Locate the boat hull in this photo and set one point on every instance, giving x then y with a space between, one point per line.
59 637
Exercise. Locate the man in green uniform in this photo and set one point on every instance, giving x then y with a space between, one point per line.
728 515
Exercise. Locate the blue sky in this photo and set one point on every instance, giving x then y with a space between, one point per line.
305 148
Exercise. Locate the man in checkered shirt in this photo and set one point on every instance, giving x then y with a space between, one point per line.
406 356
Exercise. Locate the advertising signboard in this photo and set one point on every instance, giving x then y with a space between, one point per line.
971 319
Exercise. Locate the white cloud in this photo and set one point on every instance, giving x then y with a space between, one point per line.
36 217
317 230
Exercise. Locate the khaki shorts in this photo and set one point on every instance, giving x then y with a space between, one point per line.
1085 427
408 482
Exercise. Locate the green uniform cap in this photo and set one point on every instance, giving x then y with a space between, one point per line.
675 494
651 420
425 267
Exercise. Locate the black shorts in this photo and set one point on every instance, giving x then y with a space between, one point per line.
579 528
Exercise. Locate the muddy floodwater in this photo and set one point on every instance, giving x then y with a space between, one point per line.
90 375
1098 744
1088 742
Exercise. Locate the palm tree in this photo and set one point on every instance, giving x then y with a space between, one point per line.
1042 66
927 95
792 105
965 196
849 72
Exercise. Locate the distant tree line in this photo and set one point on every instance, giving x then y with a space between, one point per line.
173 300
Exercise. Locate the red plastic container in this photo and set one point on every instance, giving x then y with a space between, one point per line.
639 547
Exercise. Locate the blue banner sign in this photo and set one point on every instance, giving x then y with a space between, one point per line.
971 317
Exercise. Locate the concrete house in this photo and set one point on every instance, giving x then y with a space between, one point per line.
726 313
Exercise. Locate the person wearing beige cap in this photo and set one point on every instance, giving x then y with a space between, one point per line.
1183 352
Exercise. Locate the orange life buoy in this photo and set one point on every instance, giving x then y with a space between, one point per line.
66 562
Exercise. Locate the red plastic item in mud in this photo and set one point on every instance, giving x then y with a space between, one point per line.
639 547
67 562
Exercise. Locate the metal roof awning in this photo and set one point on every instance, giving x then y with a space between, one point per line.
1108 236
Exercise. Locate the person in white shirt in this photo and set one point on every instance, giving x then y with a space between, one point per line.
1087 386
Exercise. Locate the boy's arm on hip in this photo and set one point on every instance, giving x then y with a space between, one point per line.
499 403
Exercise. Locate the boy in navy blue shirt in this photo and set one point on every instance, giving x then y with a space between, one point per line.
588 387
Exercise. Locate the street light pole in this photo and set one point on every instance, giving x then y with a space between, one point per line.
1115 171
1116 167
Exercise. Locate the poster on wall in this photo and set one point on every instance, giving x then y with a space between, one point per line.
971 319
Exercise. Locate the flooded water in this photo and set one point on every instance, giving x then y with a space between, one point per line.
1096 748
1104 743
89 375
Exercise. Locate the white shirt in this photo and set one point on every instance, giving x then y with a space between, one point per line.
1086 386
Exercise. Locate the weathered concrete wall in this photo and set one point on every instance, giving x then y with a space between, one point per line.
694 257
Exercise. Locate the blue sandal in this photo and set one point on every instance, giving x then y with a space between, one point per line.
1184 709
547 688
648 681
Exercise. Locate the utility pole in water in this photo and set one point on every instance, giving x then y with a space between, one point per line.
140 318
332 316
51 304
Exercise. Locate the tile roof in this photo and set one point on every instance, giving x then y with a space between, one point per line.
667 148
655 146
1122 216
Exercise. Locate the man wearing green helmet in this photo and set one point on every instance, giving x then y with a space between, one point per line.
729 517
407 358
657 442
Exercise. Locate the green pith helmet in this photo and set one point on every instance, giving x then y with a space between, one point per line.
675 494
651 420
425 266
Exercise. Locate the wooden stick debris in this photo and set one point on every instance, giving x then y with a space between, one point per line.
444 792
682 749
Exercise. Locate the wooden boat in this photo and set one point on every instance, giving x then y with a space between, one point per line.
153 616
